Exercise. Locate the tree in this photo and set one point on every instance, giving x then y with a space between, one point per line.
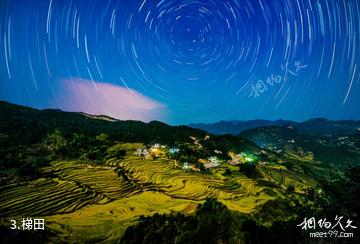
249 170
103 137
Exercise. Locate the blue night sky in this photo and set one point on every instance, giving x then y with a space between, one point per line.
183 61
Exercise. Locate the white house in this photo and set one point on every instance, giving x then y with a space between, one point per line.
213 159
173 150
211 165
141 152
186 166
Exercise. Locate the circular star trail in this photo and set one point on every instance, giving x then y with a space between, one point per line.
203 60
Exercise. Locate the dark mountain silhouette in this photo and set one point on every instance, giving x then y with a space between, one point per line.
317 125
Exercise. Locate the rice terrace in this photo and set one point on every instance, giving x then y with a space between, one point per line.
71 196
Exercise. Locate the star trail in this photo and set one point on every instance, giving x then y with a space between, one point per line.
184 61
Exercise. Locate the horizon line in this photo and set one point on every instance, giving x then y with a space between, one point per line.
181 124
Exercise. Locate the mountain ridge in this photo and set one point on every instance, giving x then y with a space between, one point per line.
319 125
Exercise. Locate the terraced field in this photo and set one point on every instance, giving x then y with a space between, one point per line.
39 196
164 177
87 203
102 180
66 188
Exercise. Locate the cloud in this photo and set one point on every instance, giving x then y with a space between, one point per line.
100 98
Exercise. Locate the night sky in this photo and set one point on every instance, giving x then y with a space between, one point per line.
184 61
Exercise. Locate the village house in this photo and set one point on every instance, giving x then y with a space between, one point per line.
174 150
211 165
156 145
157 150
262 163
186 166
213 159
232 162
141 152
203 161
